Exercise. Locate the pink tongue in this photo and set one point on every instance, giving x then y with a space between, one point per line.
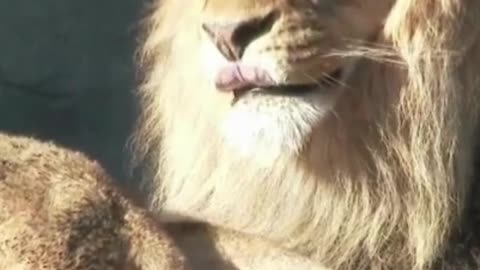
235 76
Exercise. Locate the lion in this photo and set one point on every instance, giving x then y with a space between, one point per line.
59 210
340 131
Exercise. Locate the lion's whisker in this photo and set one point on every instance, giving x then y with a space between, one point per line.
325 76
366 53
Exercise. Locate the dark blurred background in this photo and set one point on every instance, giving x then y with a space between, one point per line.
67 73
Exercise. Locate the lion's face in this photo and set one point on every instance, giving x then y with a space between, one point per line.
367 157
278 64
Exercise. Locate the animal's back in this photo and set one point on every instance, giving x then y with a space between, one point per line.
59 210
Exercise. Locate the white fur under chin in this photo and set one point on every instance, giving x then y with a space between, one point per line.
265 127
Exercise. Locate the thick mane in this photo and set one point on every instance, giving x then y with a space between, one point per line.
392 188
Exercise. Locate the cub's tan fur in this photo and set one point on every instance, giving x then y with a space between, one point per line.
374 172
59 211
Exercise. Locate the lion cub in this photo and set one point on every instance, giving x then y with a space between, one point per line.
58 210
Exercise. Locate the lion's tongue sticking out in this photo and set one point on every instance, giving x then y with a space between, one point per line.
240 78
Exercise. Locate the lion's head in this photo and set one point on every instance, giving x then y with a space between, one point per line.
341 129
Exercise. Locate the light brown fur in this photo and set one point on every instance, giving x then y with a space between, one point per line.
58 211
382 181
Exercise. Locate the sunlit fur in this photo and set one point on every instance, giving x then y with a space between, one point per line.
393 163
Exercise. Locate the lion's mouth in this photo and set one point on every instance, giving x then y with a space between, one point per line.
322 84
241 80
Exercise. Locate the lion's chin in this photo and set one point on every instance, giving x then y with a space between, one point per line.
267 127
270 123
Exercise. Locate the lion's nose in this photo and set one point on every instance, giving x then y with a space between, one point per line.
232 38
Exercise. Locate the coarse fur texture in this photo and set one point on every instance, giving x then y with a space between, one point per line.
374 173
59 210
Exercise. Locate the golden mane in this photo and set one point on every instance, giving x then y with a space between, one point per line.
394 187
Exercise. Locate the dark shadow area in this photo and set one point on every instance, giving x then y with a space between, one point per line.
67 74
197 243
